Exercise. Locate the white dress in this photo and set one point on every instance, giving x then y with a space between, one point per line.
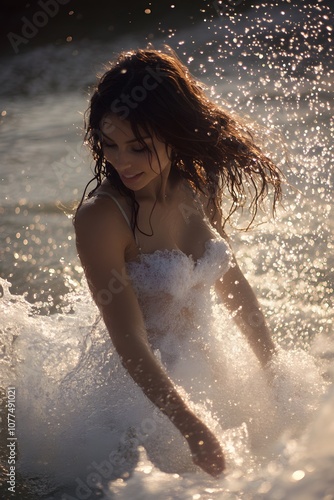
98 416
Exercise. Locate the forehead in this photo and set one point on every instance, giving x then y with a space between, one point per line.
116 128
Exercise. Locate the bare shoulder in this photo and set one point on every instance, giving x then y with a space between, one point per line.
101 230
95 214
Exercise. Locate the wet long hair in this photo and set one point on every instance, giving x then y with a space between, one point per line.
211 149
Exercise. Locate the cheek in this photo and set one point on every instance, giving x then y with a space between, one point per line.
108 154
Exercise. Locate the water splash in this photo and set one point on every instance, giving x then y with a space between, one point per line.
274 64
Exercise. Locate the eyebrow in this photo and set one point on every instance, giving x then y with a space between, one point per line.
127 142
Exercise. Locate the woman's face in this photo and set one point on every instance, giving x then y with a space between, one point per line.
137 165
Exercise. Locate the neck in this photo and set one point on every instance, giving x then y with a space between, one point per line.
157 190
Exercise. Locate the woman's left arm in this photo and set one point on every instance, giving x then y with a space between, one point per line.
240 300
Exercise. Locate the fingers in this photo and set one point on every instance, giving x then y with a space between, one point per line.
206 451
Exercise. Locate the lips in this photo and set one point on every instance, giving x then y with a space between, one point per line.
130 177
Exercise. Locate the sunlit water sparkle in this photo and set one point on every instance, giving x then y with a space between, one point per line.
273 64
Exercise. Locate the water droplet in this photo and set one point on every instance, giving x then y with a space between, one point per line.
298 475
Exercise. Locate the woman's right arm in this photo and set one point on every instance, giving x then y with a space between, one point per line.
102 238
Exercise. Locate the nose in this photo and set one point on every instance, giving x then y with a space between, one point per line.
121 162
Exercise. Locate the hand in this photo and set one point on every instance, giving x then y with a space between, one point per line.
205 449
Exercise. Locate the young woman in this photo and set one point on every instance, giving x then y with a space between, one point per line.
151 240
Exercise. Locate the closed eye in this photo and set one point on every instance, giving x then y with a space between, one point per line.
106 145
140 150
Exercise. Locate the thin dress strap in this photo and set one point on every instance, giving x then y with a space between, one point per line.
120 207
